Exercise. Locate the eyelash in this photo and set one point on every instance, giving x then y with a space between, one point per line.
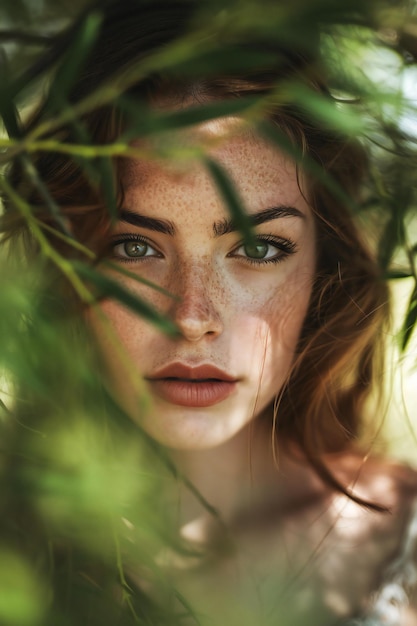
284 247
125 238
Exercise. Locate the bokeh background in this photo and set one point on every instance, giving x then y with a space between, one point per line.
68 479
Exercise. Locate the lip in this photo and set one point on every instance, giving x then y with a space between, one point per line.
185 385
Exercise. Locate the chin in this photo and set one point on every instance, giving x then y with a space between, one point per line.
193 429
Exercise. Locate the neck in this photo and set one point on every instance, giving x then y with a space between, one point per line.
232 478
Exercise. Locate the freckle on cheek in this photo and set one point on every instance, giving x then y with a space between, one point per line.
285 313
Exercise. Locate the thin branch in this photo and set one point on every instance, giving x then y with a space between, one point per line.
49 252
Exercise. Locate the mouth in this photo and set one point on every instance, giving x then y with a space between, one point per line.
187 386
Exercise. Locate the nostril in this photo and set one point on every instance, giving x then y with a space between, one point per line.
194 327
195 313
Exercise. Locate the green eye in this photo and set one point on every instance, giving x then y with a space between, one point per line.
135 248
265 249
128 249
256 251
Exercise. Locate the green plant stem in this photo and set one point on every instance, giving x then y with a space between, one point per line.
68 240
47 250
126 590
87 152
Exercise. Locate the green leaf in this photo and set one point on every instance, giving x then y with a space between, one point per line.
10 116
397 274
106 174
274 135
188 607
390 239
144 121
328 113
8 109
69 70
410 321
220 61
109 288
23 594
51 205
98 171
231 198
115 267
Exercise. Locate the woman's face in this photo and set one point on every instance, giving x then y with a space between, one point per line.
239 309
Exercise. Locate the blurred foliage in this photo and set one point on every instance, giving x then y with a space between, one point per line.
79 501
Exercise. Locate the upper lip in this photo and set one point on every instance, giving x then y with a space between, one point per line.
189 372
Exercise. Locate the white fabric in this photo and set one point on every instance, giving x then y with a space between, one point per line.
390 601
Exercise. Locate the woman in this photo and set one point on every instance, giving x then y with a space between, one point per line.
258 399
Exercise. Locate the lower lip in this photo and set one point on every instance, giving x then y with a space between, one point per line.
192 394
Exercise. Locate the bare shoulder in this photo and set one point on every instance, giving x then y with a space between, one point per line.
361 539
379 480
383 483
376 480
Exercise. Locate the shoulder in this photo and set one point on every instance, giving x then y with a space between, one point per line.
382 484
371 533
377 480
379 538
367 543
340 552
389 540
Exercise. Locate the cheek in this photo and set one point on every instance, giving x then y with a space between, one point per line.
261 326
114 323
268 334
285 313
124 341
119 330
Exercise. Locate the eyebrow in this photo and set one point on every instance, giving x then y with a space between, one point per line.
221 227
151 223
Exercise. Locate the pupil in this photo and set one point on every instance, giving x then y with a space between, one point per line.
135 248
256 251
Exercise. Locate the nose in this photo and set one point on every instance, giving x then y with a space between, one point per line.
194 312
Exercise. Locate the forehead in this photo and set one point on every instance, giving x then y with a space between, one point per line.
253 164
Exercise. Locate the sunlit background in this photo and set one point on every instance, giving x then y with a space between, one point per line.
69 496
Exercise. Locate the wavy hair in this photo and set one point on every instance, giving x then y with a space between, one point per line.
339 357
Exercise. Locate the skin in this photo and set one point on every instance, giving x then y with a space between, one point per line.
245 318
240 316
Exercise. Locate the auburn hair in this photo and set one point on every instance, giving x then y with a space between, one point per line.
339 357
